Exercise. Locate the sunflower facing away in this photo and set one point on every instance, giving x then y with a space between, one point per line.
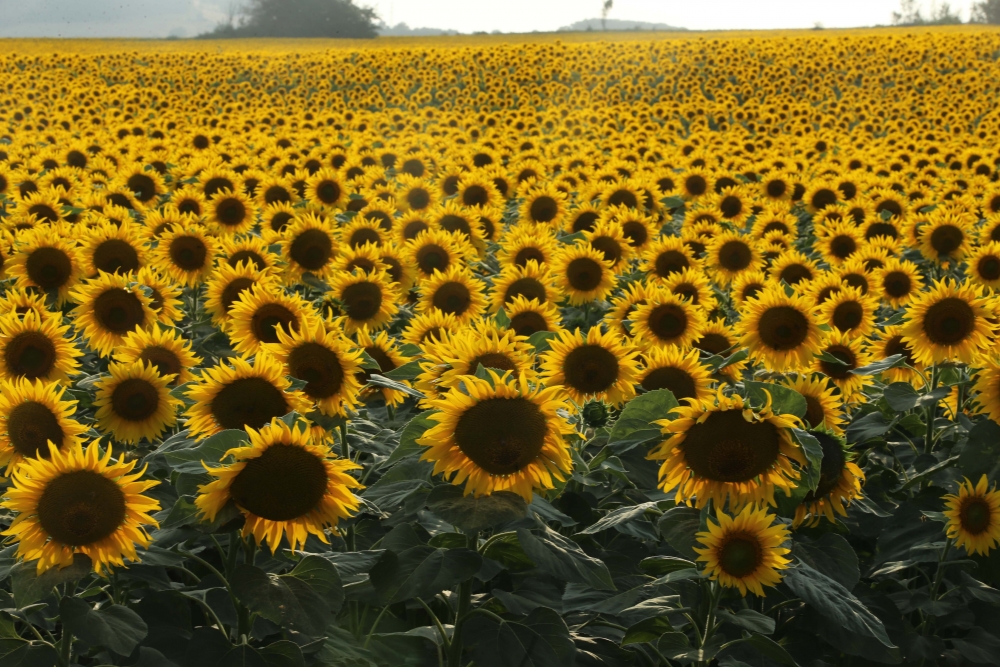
974 516
284 484
744 551
134 402
724 450
598 366
500 434
33 414
77 500
840 482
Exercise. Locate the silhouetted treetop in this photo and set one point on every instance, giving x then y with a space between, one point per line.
301 18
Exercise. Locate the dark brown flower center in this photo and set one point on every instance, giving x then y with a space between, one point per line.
727 448
135 400
839 371
30 426
946 239
188 253
432 257
502 435
116 256
668 321
527 323
119 311
975 515
740 554
529 288
677 380
49 268
312 249
989 268
670 261
165 360
362 301
584 274
452 297
783 328
949 321
30 354
848 315
897 284
544 209
266 320
319 367
232 292
590 369
793 274
248 402
284 483
81 507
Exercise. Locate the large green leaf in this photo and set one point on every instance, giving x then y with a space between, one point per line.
563 558
981 454
321 576
678 526
30 587
541 640
211 450
283 599
114 627
832 555
21 653
635 424
421 572
784 401
470 513
835 602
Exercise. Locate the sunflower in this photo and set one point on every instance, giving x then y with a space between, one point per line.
190 201
678 370
460 221
734 204
581 219
583 274
366 258
46 259
524 243
44 207
793 267
231 212
163 348
285 486
950 321
236 394
111 306
186 254
780 330
598 366
275 219
530 281
635 294
694 184
667 319
775 220
723 450
410 225
529 316
455 292
849 352
325 362
475 190
820 195
415 194
897 281
33 347
164 295
608 238
32 414
730 254
324 188
430 326
667 255
716 339
23 301
990 231
693 285
947 237
78 501
840 482
543 205
260 311
974 516
891 343
824 409
113 249
309 246
361 230
275 189
385 351
747 285
228 284
437 250
484 344
849 311
134 402
500 434
984 265
145 184
745 551
837 242
776 187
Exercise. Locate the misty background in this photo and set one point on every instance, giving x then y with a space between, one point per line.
188 18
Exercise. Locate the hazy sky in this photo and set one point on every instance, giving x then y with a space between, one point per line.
159 18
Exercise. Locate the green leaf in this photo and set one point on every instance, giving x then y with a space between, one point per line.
814 454
658 566
784 401
413 430
377 380
282 599
211 450
748 619
563 558
835 602
867 427
981 454
368 363
21 653
832 555
619 516
407 371
501 319
635 425
901 396
472 514
895 361
422 572
30 587
322 577
831 359
342 649
767 647
672 202
541 640
114 627
678 526
648 630
540 340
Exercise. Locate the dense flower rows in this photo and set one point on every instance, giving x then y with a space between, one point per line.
709 321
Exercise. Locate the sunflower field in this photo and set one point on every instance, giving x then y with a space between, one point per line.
493 353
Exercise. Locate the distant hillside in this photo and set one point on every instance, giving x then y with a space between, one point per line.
403 30
616 24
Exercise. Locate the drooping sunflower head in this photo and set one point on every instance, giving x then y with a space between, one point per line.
583 273
284 484
599 366
499 434
134 402
780 330
258 313
455 292
79 501
237 395
840 482
974 516
676 370
667 319
744 551
33 414
950 321
723 450
110 307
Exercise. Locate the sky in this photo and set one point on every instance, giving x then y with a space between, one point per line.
186 18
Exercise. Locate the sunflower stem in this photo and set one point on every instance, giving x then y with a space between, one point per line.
938 575
378 619
464 605
931 410
437 623
345 448
66 648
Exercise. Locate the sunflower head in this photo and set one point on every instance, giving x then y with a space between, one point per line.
110 307
261 311
744 551
596 366
779 329
839 483
583 273
34 346
974 516
33 414
950 321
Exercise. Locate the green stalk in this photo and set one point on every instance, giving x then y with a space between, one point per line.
464 606
931 412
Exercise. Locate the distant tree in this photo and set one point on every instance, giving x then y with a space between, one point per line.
608 4
986 11
299 18
910 13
